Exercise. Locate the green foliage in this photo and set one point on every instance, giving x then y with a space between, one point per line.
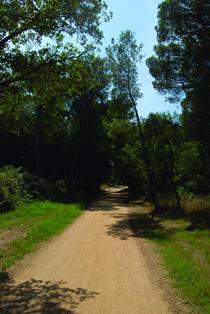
62 119
163 136
25 24
45 85
125 152
122 59
13 190
176 161
58 121
59 191
188 168
181 68
36 186
61 186
88 138
181 53
29 21
181 62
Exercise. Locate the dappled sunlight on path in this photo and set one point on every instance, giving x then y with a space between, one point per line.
95 266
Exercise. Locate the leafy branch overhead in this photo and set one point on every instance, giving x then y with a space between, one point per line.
28 21
34 35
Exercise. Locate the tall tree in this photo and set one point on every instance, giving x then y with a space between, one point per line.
87 104
36 62
122 59
163 133
181 65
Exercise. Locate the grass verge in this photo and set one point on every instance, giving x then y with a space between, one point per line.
32 224
184 243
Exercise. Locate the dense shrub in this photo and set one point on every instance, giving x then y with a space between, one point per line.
18 186
59 190
13 189
36 186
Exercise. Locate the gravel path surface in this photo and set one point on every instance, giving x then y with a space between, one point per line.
95 266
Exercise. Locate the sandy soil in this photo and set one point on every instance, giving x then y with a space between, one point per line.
95 266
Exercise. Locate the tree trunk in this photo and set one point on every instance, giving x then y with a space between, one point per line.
178 199
152 186
37 141
37 153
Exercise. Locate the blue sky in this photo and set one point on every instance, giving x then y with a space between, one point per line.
140 17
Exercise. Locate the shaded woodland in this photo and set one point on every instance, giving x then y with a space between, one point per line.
70 119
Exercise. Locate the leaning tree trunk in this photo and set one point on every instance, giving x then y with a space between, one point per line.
152 186
38 141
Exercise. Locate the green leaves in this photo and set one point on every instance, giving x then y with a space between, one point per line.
181 69
122 59
25 26
181 61
50 18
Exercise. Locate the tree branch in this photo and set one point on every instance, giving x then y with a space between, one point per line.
12 35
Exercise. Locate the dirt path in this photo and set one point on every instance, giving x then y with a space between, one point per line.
95 266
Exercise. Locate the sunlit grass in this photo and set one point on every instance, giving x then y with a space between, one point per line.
38 221
188 204
184 243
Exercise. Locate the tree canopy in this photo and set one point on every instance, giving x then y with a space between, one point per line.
33 32
68 114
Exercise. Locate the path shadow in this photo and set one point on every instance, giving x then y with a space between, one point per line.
160 226
138 226
144 222
104 205
199 220
110 201
36 296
